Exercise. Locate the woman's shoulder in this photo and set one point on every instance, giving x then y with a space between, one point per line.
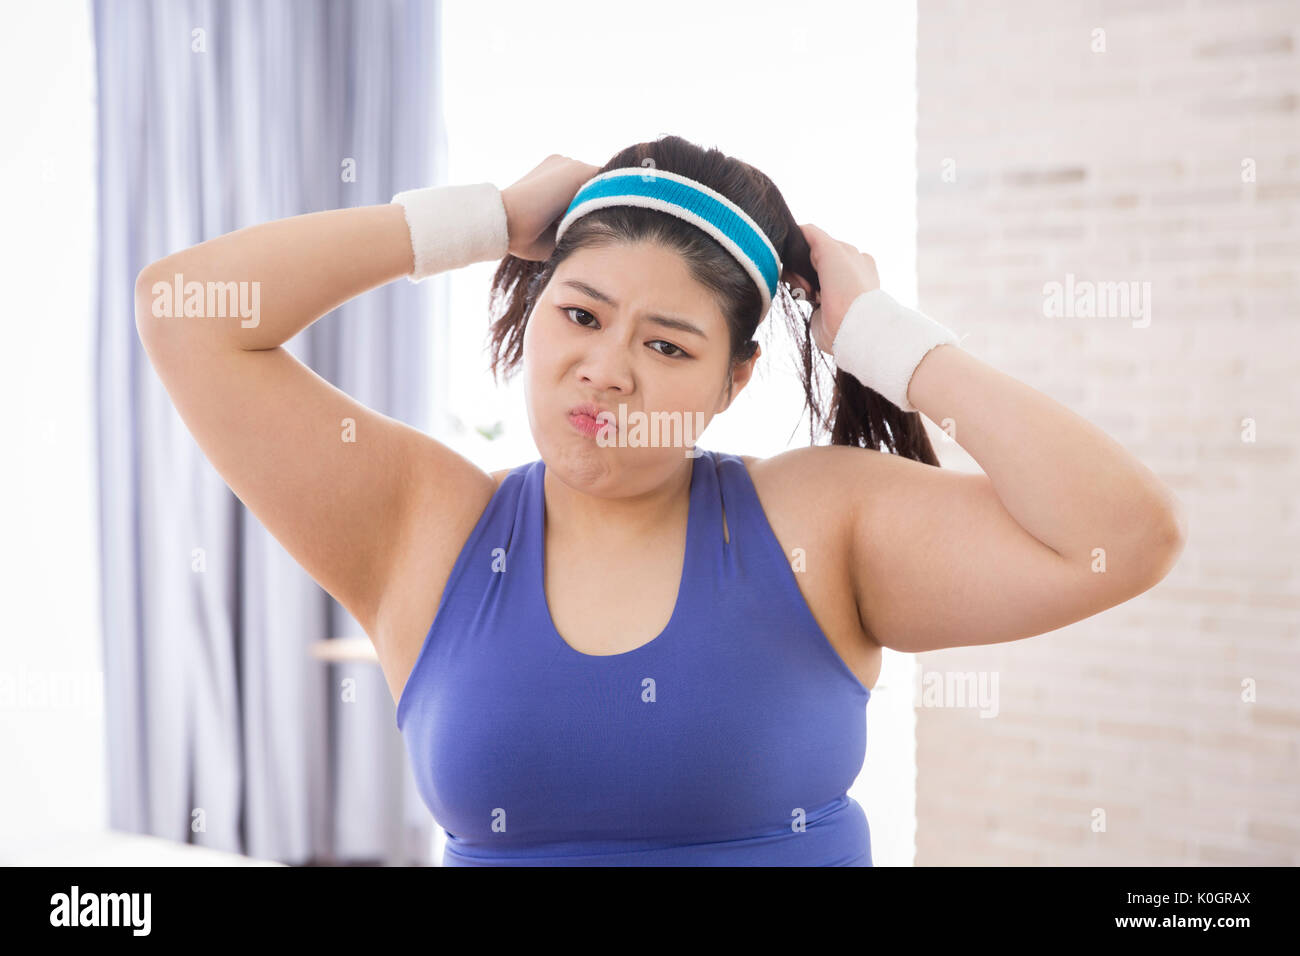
792 469
523 468
811 466
812 491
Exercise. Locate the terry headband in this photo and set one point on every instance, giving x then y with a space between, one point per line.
880 341
686 199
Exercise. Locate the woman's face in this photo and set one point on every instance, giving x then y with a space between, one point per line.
625 325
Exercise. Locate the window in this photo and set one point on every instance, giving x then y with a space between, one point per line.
51 722
766 82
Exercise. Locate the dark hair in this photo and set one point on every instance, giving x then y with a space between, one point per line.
862 417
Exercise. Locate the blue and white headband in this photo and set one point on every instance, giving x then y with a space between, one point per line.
686 199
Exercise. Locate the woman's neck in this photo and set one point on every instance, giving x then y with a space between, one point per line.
579 516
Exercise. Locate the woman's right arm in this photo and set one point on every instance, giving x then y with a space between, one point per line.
336 483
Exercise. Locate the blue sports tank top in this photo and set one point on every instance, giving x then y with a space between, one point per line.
731 739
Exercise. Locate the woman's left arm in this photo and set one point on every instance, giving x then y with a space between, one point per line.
1062 479
1063 523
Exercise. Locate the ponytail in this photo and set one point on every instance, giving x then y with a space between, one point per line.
859 416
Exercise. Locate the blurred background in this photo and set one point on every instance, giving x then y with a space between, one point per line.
169 677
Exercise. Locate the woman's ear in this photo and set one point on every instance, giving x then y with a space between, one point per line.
740 375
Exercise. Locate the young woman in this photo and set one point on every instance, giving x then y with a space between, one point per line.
635 651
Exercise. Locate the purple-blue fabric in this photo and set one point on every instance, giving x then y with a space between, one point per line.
731 739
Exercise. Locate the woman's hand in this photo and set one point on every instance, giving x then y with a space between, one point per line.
843 274
536 203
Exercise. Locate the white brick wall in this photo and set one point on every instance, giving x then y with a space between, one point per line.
1127 165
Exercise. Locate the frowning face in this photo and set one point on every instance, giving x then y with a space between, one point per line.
624 324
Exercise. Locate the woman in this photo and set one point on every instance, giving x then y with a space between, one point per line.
642 652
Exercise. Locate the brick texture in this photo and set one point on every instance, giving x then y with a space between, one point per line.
1133 141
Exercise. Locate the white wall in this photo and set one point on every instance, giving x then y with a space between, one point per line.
1154 144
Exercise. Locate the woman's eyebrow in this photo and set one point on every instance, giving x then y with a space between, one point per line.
670 322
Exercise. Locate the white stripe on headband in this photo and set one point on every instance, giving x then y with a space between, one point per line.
651 188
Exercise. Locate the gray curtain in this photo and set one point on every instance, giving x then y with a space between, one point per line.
222 730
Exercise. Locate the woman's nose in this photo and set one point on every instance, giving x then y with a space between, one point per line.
606 366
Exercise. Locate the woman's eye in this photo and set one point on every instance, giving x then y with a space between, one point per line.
583 311
677 351
675 354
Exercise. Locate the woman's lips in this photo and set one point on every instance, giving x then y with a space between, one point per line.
589 426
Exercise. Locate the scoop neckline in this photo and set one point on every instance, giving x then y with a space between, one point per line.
692 521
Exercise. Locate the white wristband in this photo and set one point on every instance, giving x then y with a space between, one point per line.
454 226
881 342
